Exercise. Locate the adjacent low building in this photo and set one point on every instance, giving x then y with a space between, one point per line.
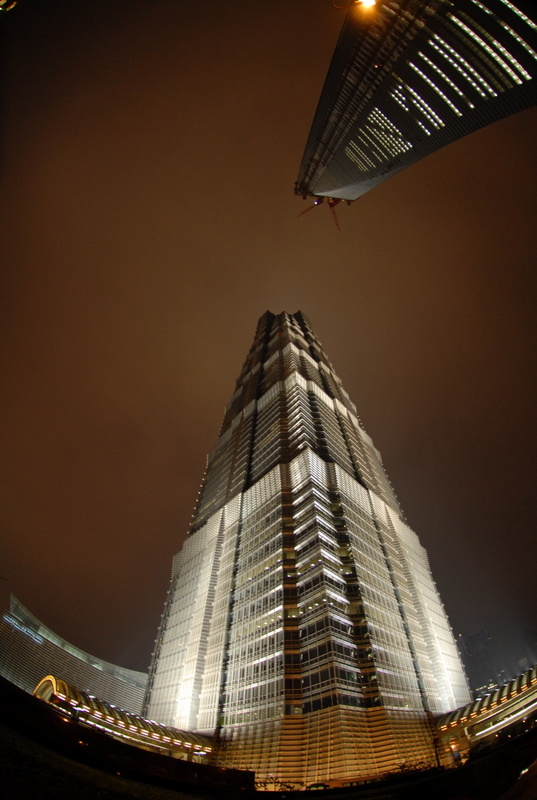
509 710
29 651
127 728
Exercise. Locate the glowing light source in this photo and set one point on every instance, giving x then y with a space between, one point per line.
361 3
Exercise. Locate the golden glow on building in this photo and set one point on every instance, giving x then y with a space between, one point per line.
302 625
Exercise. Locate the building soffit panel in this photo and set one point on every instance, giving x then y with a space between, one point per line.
428 74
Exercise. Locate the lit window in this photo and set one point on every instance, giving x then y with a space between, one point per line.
433 85
445 77
456 60
506 68
519 13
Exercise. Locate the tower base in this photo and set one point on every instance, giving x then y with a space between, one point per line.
333 746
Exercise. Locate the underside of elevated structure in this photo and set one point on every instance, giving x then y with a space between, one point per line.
411 76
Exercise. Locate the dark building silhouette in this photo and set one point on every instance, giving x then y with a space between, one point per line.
527 652
302 625
484 666
410 76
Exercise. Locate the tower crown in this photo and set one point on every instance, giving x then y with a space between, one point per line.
287 396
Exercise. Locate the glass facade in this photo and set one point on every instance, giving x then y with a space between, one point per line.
409 77
29 650
302 625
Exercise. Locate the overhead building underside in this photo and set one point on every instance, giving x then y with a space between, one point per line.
411 76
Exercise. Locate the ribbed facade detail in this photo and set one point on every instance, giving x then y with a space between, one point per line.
302 626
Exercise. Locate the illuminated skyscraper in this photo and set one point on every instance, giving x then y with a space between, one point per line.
302 623
410 76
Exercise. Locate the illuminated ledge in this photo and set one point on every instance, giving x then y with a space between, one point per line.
122 725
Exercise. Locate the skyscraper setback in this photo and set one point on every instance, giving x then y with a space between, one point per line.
302 625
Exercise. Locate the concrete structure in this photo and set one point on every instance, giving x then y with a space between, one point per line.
409 77
302 624
29 651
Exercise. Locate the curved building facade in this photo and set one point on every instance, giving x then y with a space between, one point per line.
302 625
410 76
29 651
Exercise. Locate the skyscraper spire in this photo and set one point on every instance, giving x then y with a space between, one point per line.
302 624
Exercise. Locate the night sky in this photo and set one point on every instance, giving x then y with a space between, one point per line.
148 155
